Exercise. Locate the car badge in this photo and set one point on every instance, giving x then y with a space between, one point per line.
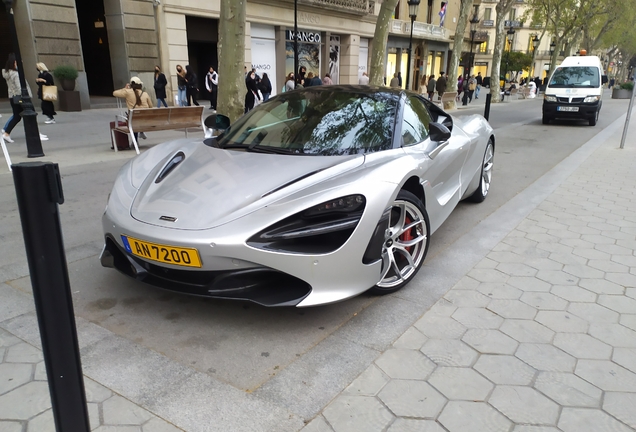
168 218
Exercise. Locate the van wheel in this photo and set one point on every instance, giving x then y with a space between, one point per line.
594 119
546 119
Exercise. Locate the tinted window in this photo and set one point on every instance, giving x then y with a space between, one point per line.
415 122
318 122
575 76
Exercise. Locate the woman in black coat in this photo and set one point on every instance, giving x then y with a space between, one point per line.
192 86
45 78
160 87
252 92
265 87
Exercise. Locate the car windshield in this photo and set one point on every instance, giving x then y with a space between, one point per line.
317 122
575 76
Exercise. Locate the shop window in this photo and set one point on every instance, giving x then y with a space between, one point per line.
483 47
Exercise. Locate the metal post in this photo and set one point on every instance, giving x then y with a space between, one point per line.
31 131
487 108
629 114
296 68
39 191
408 58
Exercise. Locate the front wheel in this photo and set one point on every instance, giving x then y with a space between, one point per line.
545 119
405 243
594 119
486 174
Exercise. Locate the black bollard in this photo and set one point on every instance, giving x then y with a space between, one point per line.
487 108
39 191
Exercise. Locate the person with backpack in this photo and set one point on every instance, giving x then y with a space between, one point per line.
265 86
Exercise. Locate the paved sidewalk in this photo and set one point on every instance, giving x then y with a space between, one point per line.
540 336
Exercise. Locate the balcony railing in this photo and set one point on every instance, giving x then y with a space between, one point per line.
420 29
361 7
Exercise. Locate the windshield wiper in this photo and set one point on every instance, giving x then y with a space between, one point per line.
257 148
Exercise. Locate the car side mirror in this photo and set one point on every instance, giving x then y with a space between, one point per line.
218 122
604 79
438 132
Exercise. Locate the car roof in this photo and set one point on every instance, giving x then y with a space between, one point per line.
581 61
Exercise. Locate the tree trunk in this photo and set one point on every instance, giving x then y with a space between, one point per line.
378 45
232 50
458 46
502 9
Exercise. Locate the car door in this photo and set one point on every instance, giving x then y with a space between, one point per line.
440 163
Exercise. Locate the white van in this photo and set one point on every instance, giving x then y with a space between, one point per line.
575 90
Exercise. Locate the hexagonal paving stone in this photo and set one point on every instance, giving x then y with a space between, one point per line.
544 263
527 331
40 372
602 286
558 277
23 353
13 375
43 422
357 413
581 419
499 291
614 334
503 369
568 390
608 266
593 313
567 258
562 321
583 346
9 426
488 275
461 416
486 263
524 405
440 327
369 383
624 279
411 339
505 257
591 254
96 392
516 269
490 341
544 301
629 261
545 357
630 292
477 317
529 284
319 424
625 357
158 425
407 398
414 425
618 303
405 364
628 321
573 293
449 352
25 402
621 406
512 309
442 308
7 339
120 411
525 428
460 383
466 298
613 249
606 375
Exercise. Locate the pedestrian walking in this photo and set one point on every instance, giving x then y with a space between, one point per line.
182 94
290 83
364 79
160 87
300 77
192 86
399 76
441 85
265 86
480 81
212 86
395 81
430 87
252 92
327 80
45 79
460 88
472 86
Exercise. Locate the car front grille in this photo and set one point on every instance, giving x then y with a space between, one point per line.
567 100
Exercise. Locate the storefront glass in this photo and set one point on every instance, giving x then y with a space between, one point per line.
308 51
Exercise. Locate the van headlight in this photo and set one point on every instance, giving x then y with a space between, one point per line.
591 99
549 98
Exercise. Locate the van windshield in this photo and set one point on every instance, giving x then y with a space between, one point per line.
575 76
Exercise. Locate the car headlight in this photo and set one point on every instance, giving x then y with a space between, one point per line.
549 98
319 229
591 99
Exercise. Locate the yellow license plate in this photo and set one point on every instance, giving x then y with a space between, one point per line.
187 257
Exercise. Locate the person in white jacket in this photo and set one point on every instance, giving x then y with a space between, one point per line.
212 86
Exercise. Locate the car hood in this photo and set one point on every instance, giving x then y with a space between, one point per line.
211 186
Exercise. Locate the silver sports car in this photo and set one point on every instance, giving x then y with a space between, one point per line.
313 197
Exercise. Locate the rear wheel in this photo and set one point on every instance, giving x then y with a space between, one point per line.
486 174
594 119
405 245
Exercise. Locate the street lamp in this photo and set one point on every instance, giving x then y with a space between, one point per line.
510 34
535 44
414 5
473 31
31 131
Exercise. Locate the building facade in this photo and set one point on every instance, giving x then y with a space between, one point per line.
109 41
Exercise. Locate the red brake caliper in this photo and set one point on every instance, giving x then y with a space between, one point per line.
407 236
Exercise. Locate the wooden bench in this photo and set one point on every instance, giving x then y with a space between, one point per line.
524 93
513 92
157 119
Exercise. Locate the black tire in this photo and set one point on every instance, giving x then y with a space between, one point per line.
594 119
408 211
545 119
486 174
